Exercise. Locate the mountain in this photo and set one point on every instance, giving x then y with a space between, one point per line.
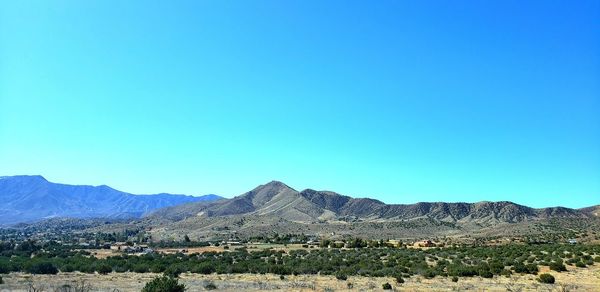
279 200
32 198
592 211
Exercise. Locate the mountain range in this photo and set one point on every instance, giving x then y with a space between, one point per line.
277 199
31 198
276 207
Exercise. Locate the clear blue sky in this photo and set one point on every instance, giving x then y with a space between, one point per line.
403 101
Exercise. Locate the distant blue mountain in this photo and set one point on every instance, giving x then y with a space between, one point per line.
32 198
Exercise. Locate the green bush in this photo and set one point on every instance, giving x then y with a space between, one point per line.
455 279
532 269
141 268
4 268
429 274
386 286
1 280
164 284
505 272
399 280
104 269
580 264
173 271
67 268
559 267
210 286
42 268
342 277
486 274
546 278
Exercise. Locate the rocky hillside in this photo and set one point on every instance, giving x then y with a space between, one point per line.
309 206
592 211
32 198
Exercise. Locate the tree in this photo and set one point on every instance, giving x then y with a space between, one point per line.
186 238
164 284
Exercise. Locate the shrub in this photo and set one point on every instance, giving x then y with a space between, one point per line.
1 280
141 268
455 279
342 277
519 268
164 284
429 274
42 268
580 264
399 280
203 268
546 278
122 269
386 286
559 267
173 271
4 268
486 274
532 268
104 269
210 286
281 277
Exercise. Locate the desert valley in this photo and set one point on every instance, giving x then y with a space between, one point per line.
275 237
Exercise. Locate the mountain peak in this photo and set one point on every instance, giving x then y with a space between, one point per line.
273 185
25 178
276 183
264 193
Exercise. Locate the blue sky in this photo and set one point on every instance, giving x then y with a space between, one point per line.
403 101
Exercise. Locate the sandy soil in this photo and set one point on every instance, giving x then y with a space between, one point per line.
584 279
190 250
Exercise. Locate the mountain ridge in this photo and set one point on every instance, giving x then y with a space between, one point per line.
278 199
28 198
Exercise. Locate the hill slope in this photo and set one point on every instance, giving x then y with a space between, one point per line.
592 211
280 201
31 198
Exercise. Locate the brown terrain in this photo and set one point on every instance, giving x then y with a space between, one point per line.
576 279
277 208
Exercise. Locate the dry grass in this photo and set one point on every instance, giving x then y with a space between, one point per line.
585 279
191 250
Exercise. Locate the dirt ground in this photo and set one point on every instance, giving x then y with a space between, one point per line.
249 247
576 279
190 250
